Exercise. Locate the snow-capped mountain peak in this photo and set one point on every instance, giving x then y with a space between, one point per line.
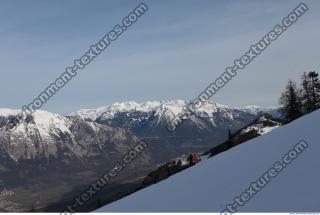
159 107
45 122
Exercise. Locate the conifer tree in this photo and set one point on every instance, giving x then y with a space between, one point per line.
290 101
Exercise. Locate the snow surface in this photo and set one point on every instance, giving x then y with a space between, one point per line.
213 183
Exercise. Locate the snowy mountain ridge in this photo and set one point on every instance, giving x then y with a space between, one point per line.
44 122
167 109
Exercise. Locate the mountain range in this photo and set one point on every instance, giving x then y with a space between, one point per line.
48 148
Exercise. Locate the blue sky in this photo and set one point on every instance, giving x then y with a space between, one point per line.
172 52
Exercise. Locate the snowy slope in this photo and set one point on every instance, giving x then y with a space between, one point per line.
213 183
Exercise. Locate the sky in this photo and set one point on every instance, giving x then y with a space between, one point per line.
174 51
